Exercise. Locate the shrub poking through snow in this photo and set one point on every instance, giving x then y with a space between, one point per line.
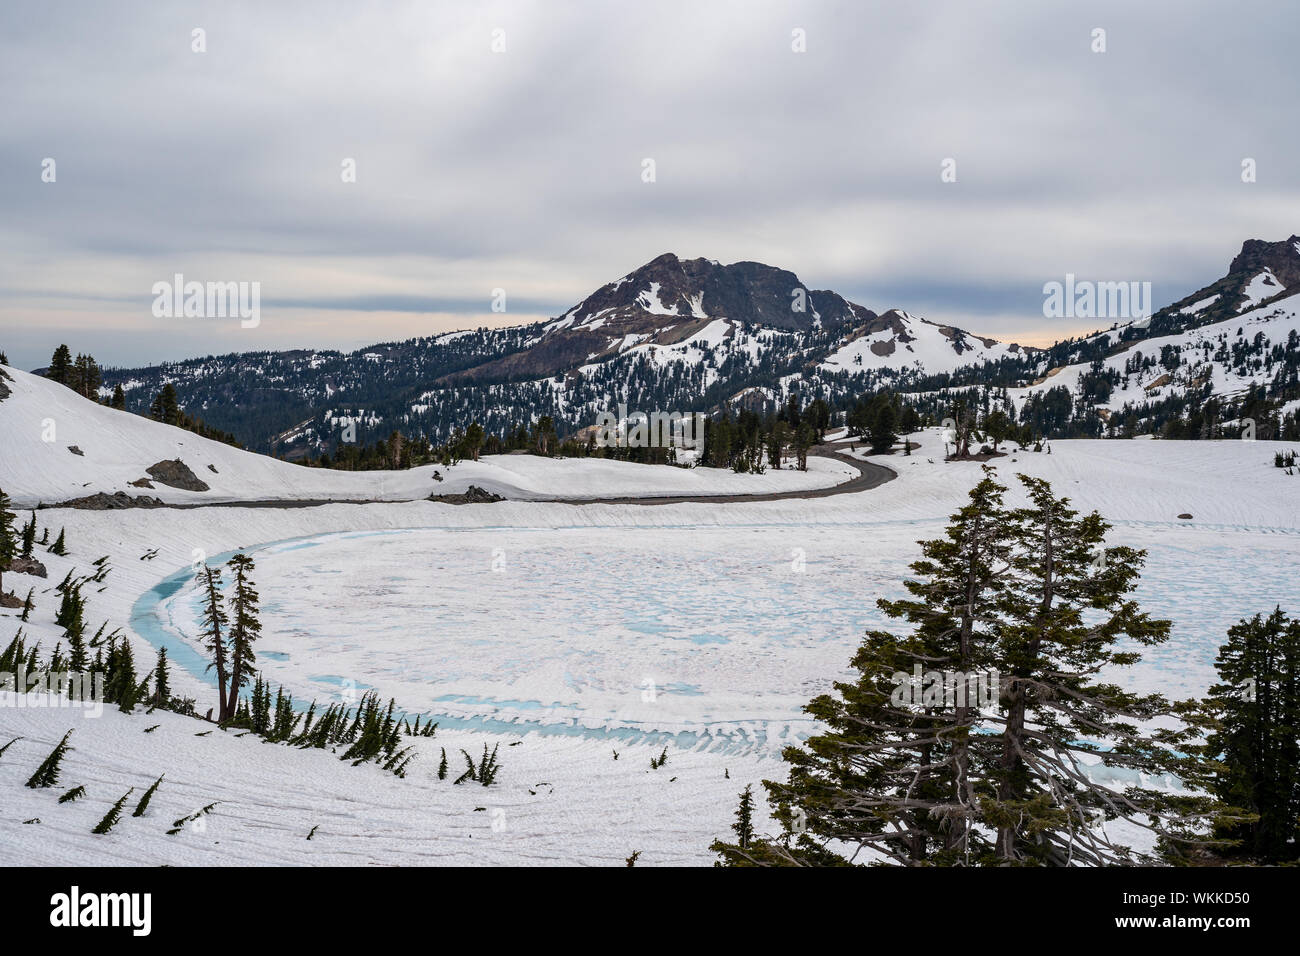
183 822
428 730
47 774
16 739
657 762
377 735
76 793
113 815
148 795
485 772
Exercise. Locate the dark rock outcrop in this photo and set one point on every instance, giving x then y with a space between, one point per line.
26 566
473 495
102 501
176 474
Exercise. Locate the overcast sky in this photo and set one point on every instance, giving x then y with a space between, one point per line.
522 169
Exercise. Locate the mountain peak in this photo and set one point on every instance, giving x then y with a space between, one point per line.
1262 271
1281 258
692 289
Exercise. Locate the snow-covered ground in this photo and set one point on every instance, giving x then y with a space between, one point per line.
41 422
572 631
557 800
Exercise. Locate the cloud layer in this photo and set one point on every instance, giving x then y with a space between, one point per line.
522 169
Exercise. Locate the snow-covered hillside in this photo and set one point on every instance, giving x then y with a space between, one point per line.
558 800
1213 355
58 446
904 342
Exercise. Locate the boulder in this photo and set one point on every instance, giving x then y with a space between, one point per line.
26 566
176 474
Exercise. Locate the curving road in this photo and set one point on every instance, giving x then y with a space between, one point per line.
869 476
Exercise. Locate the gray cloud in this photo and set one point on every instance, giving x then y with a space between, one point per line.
521 170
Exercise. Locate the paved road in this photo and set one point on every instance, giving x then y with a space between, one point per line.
869 476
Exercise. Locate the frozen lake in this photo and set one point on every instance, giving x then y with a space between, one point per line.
710 636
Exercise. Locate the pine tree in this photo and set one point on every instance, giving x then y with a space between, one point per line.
113 815
1253 716
27 604
60 369
70 618
893 770
85 377
47 774
442 765
883 431
244 625
474 438
744 825
1017 601
162 682
119 398
260 706
1067 612
164 407
213 622
120 683
29 536
59 547
8 539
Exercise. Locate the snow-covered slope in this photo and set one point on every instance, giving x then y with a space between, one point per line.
903 342
556 801
56 446
1230 356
